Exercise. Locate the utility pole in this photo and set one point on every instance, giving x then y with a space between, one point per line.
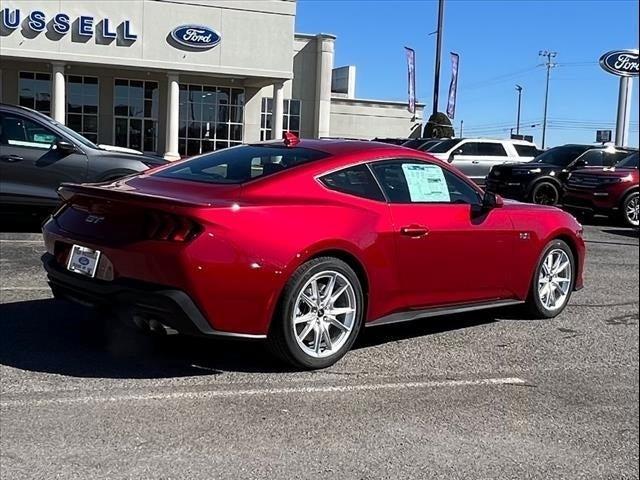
461 126
519 89
436 80
549 64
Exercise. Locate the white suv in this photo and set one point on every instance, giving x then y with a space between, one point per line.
476 156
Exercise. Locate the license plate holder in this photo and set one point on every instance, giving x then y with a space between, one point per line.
83 260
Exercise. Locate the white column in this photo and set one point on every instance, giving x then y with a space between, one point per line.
173 117
277 115
325 45
59 90
624 111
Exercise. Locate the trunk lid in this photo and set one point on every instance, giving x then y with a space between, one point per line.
139 208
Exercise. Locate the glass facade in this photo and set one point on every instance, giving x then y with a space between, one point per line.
290 120
82 106
135 111
211 118
35 91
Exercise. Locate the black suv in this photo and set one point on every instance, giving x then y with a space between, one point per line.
37 154
541 180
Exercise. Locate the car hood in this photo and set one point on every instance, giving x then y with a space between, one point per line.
149 160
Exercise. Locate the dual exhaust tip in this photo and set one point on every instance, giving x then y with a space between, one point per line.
153 325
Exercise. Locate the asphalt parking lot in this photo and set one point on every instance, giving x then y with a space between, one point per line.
486 395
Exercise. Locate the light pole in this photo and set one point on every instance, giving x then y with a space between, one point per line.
519 89
436 79
549 64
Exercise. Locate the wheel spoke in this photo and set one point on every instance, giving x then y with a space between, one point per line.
337 323
314 292
316 339
328 291
306 318
340 311
308 300
338 294
561 267
328 345
306 331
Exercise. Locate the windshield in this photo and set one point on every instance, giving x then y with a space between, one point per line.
414 143
73 134
629 162
444 146
561 156
241 164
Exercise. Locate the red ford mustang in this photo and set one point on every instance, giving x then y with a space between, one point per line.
305 242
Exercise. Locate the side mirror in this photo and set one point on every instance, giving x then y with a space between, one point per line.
453 154
492 200
65 147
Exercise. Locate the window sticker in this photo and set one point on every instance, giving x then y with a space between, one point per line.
426 183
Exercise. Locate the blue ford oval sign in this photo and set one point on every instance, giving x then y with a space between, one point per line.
623 63
196 36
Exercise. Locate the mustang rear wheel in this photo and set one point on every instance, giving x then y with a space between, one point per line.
320 314
553 281
630 209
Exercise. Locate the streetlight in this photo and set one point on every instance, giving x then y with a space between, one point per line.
549 64
519 89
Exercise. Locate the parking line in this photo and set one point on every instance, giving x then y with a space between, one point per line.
205 395
39 242
28 289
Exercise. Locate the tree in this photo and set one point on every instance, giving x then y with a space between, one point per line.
438 126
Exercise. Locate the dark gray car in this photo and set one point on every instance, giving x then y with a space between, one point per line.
37 154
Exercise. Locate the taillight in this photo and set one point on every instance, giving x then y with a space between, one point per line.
173 228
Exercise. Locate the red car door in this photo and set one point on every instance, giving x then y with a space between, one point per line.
448 251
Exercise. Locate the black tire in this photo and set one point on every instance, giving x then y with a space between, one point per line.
281 339
534 305
545 193
626 203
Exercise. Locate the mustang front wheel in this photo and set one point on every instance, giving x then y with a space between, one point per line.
553 280
320 314
630 209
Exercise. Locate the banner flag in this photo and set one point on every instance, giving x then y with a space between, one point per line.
411 77
453 87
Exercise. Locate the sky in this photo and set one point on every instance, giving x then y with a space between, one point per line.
498 42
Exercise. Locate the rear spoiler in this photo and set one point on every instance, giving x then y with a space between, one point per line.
67 191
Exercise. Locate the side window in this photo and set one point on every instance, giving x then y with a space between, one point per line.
356 181
593 158
491 150
526 150
611 158
21 132
410 182
469 148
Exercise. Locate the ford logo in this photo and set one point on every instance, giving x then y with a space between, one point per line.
196 36
623 63
83 261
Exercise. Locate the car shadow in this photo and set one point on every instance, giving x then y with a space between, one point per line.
58 337
54 336
623 232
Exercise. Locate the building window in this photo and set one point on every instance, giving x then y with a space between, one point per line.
211 118
35 91
82 106
290 120
135 112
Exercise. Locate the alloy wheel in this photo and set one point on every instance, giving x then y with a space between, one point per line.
546 194
324 315
631 210
555 279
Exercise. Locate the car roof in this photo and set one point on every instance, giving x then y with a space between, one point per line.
342 147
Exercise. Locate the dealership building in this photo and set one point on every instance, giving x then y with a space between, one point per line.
179 78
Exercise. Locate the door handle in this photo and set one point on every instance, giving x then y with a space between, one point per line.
11 158
414 231
475 162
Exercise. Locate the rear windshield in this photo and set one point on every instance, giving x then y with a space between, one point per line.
241 164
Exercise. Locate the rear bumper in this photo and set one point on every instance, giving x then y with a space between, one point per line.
171 307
